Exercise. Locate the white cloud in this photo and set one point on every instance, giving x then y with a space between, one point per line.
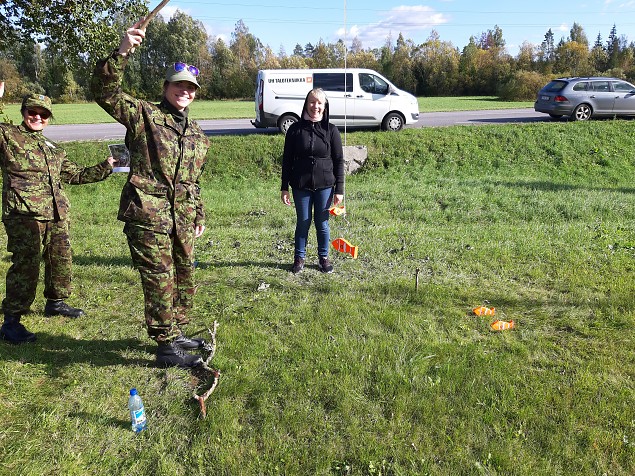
168 12
407 20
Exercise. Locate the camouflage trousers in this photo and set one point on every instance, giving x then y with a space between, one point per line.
30 241
166 265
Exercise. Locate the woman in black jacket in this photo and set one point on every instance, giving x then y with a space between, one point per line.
313 164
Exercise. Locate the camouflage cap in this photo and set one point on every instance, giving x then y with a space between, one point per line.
37 100
172 76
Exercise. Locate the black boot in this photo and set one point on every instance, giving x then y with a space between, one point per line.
171 355
57 307
188 343
14 332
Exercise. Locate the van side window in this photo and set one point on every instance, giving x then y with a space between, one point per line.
333 81
373 84
581 86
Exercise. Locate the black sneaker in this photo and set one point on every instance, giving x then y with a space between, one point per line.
298 265
325 265
187 343
60 308
171 355
14 332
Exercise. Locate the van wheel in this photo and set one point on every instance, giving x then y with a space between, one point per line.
286 121
392 122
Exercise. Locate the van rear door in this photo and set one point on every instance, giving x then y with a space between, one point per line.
259 99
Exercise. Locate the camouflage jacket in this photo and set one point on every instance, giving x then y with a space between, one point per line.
162 192
33 170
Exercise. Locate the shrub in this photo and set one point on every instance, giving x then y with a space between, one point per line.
523 86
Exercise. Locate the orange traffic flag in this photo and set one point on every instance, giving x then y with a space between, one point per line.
502 325
345 247
337 211
484 311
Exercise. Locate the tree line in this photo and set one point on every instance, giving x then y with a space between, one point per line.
52 50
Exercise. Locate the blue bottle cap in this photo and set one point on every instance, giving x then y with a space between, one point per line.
133 391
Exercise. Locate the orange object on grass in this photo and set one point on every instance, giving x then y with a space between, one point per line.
484 311
337 210
502 325
345 247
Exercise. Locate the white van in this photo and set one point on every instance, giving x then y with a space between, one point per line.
359 97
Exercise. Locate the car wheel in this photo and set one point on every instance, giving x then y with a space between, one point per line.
392 122
555 116
286 121
582 112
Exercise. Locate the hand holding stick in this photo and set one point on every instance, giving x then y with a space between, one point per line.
135 35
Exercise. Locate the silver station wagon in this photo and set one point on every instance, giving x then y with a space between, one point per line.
583 98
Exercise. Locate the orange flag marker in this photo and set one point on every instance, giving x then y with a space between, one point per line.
484 311
345 247
337 211
502 325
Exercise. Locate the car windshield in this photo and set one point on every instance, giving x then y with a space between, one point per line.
555 86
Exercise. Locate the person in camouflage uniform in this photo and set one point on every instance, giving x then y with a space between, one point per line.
161 203
35 214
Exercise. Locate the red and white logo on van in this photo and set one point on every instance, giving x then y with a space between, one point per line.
309 79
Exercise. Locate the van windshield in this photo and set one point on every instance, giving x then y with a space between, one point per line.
373 84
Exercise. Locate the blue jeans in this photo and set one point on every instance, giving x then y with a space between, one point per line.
318 202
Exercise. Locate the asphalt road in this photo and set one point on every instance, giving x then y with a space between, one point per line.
116 132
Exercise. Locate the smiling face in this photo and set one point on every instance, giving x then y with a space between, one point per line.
180 94
314 108
36 118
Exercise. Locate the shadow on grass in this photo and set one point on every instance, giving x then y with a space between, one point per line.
243 264
82 260
56 352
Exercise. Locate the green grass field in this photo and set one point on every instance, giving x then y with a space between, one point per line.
360 372
91 113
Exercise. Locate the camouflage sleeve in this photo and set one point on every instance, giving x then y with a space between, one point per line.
76 174
106 87
200 211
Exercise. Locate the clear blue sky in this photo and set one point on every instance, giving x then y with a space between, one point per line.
286 23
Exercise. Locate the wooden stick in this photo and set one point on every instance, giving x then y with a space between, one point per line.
202 398
417 279
152 14
211 349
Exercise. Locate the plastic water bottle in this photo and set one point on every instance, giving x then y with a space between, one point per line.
137 411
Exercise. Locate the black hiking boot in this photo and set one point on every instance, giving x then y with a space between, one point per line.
171 355
187 343
57 307
14 332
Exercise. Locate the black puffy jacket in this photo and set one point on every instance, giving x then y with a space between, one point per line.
313 157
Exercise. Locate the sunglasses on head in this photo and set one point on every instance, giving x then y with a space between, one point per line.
42 114
178 67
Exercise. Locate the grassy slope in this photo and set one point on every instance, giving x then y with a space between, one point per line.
359 372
